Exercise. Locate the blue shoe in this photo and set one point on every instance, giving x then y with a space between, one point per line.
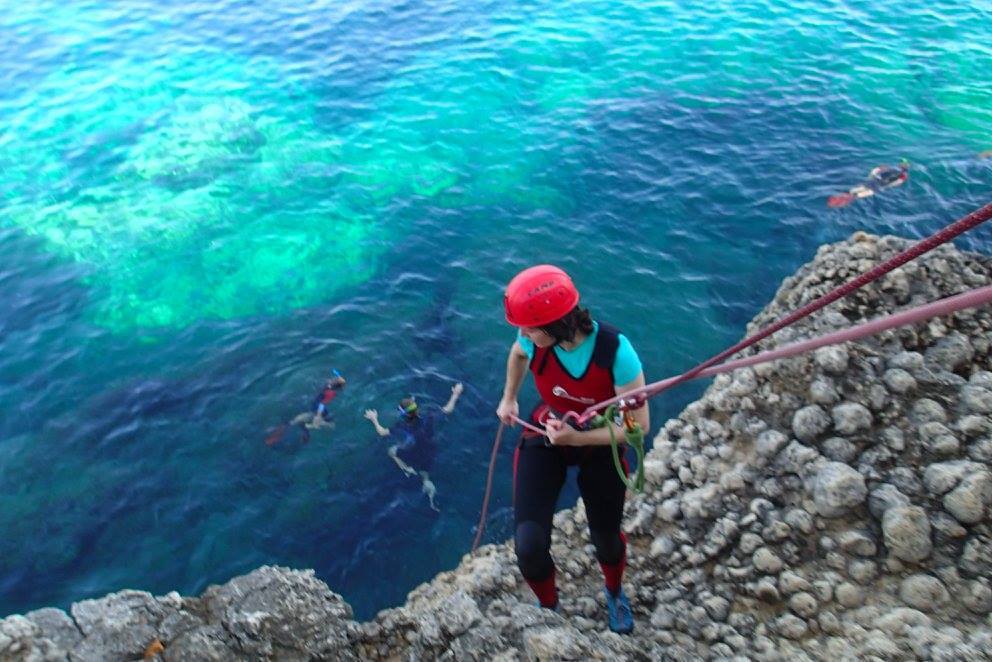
621 617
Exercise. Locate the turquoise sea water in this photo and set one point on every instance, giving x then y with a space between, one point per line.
206 207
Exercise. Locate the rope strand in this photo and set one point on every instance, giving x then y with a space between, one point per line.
489 488
970 221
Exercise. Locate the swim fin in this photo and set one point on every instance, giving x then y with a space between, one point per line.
840 200
276 435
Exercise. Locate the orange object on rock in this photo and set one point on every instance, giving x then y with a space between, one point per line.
154 649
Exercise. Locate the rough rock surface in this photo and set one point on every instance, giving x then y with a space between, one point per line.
830 506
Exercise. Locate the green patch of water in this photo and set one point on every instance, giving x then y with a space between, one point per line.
197 185
174 177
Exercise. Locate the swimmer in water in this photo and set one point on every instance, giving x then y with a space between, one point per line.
879 179
318 416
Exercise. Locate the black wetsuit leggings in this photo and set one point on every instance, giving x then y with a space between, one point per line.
539 476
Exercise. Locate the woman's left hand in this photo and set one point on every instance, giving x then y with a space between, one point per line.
560 433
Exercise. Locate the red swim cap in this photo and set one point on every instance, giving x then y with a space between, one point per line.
539 295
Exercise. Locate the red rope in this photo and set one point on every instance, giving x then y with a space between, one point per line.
970 299
489 488
950 232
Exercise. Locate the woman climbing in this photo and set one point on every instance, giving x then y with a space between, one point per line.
576 362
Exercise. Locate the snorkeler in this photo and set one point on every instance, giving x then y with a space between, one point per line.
880 178
413 446
318 416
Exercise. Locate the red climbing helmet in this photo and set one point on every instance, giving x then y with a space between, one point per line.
539 295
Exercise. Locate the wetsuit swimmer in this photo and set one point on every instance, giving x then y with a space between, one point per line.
576 362
319 415
887 177
413 447
880 178
322 399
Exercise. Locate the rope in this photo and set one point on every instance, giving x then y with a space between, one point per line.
952 304
532 428
943 236
489 488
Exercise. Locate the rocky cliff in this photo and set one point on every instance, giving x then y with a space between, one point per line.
830 506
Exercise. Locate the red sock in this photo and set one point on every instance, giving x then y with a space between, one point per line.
613 574
545 590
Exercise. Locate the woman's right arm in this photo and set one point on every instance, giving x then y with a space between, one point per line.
516 369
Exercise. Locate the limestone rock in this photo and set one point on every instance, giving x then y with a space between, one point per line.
210 643
770 442
118 625
884 497
556 643
277 609
907 533
940 477
22 639
810 422
923 592
851 417
969 501
833 359
837 489
951 352
766 561
899 381
976 399
57 627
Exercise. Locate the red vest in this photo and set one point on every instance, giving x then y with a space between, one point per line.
564 393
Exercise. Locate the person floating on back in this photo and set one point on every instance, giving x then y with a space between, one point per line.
318 416
413 448
880 178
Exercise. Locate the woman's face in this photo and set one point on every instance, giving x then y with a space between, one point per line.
537 336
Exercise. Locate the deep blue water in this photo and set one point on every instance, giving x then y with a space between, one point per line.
206 207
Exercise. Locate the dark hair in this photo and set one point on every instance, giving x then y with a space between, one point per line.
564 329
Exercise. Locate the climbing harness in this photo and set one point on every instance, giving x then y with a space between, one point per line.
625 403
